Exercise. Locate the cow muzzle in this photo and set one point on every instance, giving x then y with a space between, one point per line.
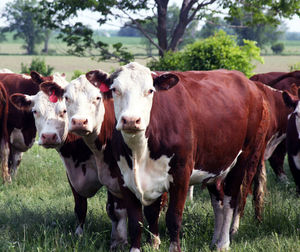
80 126
49 140
131 124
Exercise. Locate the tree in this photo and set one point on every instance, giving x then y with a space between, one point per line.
22 19
80 37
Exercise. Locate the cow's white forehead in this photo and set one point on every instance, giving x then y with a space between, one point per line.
81 86
45 106
134 74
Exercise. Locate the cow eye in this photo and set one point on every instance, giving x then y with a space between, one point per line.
66 97
115 91
150 91
34 111
65 111
98 98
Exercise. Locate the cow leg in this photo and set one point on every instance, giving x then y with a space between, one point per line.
4 161
15 158
177 197
191 193
216 196
80 209
277 160
118 215
152 215
294 163
135 218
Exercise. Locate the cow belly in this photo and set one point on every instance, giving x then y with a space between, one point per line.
272 144
83 176
18 142
149 179
198 176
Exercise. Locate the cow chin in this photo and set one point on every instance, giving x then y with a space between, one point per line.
50 146
80 131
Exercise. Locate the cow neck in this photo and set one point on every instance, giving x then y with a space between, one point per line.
98 140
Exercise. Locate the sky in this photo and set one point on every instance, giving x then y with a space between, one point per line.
87 17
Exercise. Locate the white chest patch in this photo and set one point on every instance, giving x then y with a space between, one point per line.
149 178
17 140
84 178
272 144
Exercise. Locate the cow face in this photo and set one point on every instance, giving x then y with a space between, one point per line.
292 102
50 118
84 104
133 89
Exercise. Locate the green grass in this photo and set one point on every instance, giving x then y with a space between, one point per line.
36 214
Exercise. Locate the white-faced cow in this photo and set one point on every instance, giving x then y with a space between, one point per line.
293 136
52 126
281 81
91 115
20 124
183 128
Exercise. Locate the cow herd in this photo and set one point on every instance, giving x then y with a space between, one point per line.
150 136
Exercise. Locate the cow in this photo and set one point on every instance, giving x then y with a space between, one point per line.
52 127
3 130
184 128
20 124
281 81
91 116
293 136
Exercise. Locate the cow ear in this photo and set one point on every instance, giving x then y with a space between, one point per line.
165 81
36 77
99 79
21 101
289 100
52 89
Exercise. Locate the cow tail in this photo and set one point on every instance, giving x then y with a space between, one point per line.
259 189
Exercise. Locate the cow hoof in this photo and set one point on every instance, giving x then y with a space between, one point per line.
156 242
79 231
233 233
118 245
223 246
283 178
7 179
174 247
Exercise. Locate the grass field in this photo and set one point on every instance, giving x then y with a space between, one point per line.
36 214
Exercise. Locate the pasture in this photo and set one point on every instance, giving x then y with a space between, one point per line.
36 210
36 214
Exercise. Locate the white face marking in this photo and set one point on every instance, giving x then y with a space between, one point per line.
85 184
218 212
84 102
27 77
151 179
272 144
50 118
131 94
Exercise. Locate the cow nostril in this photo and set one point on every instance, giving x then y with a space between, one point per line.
124 121
54 137
73 121
43 136
138 121
85 122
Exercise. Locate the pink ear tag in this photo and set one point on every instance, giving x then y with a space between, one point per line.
53 97
103 87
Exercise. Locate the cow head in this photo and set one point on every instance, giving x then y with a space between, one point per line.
84 102
133 88
50 118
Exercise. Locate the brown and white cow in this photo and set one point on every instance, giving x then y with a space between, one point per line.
293 136
3 131
52 126
20 124
91 115
184 128
281 81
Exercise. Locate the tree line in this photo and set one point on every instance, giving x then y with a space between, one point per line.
166 28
